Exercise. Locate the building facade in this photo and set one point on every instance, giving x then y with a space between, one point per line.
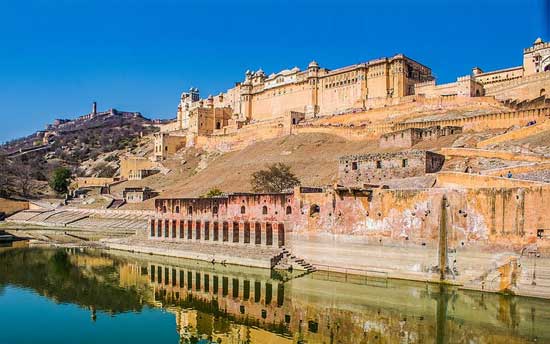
529 80
360 170
313 91
407 138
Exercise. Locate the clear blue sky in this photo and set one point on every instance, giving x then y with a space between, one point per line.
57 56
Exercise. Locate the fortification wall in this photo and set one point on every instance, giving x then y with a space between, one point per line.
245 136
516 134
503 155
527 87
469 180
94 181
533 167
397 231
351 133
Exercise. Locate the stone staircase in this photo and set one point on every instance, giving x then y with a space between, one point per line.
285 260
117 203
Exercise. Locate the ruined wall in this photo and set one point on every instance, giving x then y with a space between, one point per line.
356 170
409 137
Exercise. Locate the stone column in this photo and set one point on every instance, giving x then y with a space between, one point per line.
230 230
264 233
275 231
252 233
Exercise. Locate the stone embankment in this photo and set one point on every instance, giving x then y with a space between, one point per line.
222 254
90 219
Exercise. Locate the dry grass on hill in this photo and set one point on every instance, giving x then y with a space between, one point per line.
312 157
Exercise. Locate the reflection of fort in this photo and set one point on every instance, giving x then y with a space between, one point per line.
237 295
247 305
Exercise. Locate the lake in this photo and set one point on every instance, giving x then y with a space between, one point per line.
95 296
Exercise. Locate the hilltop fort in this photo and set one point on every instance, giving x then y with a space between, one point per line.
400 176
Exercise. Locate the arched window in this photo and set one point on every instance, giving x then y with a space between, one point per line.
177 209
314 209
243 209
189 210
164 209
264 210
215 210
288 210
542 92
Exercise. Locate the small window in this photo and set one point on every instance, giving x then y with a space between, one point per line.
288 210
164 209
354 165
313 326
378 164
540 233
243 209
215 210
189 210
264 210
177 209
314 209
404 163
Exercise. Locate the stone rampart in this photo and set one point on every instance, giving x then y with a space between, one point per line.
516 134
532 167
527 87
494 154
469 180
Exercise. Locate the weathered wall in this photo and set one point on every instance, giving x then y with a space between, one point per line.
397 231
129 166
10 207
516 134
469 180
409 137
94 181
527 87
356 170
485 153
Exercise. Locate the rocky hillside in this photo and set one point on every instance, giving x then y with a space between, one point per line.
88 146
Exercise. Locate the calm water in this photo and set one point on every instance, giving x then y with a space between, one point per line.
73 296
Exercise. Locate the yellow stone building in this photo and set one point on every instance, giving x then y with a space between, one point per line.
530 80
315 91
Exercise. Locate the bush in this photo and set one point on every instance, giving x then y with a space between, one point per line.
276 178
213 193
60 179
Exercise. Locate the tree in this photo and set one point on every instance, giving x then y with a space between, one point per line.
276 178
60 179
213 193
23 178
5 177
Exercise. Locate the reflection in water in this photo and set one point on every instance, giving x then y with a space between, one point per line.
214 303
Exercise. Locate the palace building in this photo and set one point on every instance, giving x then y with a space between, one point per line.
313 91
